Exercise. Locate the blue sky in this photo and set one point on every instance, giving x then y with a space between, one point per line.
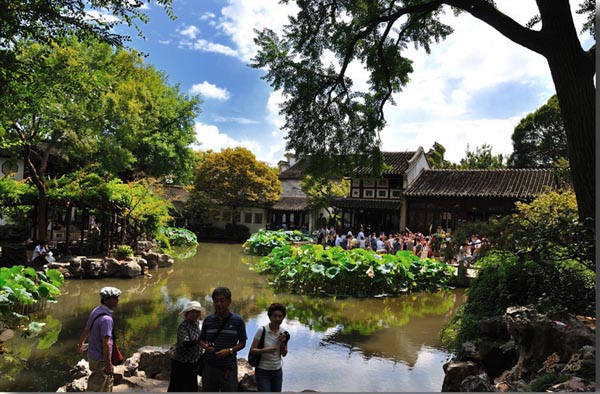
472 89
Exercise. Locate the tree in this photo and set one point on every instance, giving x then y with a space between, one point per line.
539 140
84 102
321 190
234 178
435 156
481 159
325 115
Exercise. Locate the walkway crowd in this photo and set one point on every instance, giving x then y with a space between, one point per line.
418 243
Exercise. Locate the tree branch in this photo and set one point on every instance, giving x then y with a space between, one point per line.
508 27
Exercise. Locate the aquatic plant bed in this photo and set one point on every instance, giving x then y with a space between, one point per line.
312 270
263 242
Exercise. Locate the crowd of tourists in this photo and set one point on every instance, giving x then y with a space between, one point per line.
418 243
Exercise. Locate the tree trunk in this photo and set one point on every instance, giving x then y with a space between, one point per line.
42 215
573 72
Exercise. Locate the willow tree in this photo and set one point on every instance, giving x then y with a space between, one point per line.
325 115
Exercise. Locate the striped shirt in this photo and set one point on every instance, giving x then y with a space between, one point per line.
233 333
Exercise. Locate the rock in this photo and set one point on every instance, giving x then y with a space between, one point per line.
164 261
536 337
497 356
7 335
494 327
468 352
80 369
151 258
572 385
154 360
478 383
113 266
130 269
456 372
77 385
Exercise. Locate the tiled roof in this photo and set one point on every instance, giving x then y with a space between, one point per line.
291 204
176 193
366 203
294 172
513 183
398 161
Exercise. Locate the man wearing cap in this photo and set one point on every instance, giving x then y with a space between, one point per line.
98 331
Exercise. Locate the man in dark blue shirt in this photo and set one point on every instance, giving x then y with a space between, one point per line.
220 369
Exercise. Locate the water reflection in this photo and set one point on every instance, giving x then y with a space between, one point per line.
386 344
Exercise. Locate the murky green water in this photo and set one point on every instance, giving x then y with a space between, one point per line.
385 344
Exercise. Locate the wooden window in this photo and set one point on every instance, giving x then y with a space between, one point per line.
369 193
258 218
382 193
355 192
248 217
382 183
369 183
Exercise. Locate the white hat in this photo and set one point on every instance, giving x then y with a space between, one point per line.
107 292
192 306
349 233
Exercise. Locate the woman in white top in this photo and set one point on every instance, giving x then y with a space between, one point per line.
269 374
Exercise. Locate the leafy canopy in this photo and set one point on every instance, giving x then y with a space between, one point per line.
234 178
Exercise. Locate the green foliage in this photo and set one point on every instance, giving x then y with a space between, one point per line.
481 159
320 190
123 251
540 139
21 287
310 269
234 178
435 156
548 229
177 236
264 241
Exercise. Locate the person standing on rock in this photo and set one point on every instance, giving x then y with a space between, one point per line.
269 373
223 334
184 372
99 333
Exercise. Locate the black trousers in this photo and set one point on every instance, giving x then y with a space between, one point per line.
184 377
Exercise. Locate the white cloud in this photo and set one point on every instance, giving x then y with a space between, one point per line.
234 119
101 17
453 134
190 32
207 16
209 137
206 46
210 91
241 17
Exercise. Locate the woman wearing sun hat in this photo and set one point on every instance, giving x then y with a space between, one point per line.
184 375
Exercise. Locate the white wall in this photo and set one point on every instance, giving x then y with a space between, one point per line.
222 218
291 188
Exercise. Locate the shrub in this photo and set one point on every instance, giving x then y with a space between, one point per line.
123 251
178 236
264 241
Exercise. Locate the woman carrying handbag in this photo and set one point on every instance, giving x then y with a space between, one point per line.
269 373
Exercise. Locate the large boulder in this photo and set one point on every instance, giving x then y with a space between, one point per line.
130 269
456 372
477 383
155 362
165 261
151 258
537 337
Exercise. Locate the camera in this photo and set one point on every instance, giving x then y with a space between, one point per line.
287 336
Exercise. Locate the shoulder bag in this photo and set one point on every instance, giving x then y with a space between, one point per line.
202 360
254 359
116 357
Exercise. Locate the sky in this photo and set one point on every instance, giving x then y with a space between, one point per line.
472 89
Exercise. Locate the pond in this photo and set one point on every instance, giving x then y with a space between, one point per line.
380 344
